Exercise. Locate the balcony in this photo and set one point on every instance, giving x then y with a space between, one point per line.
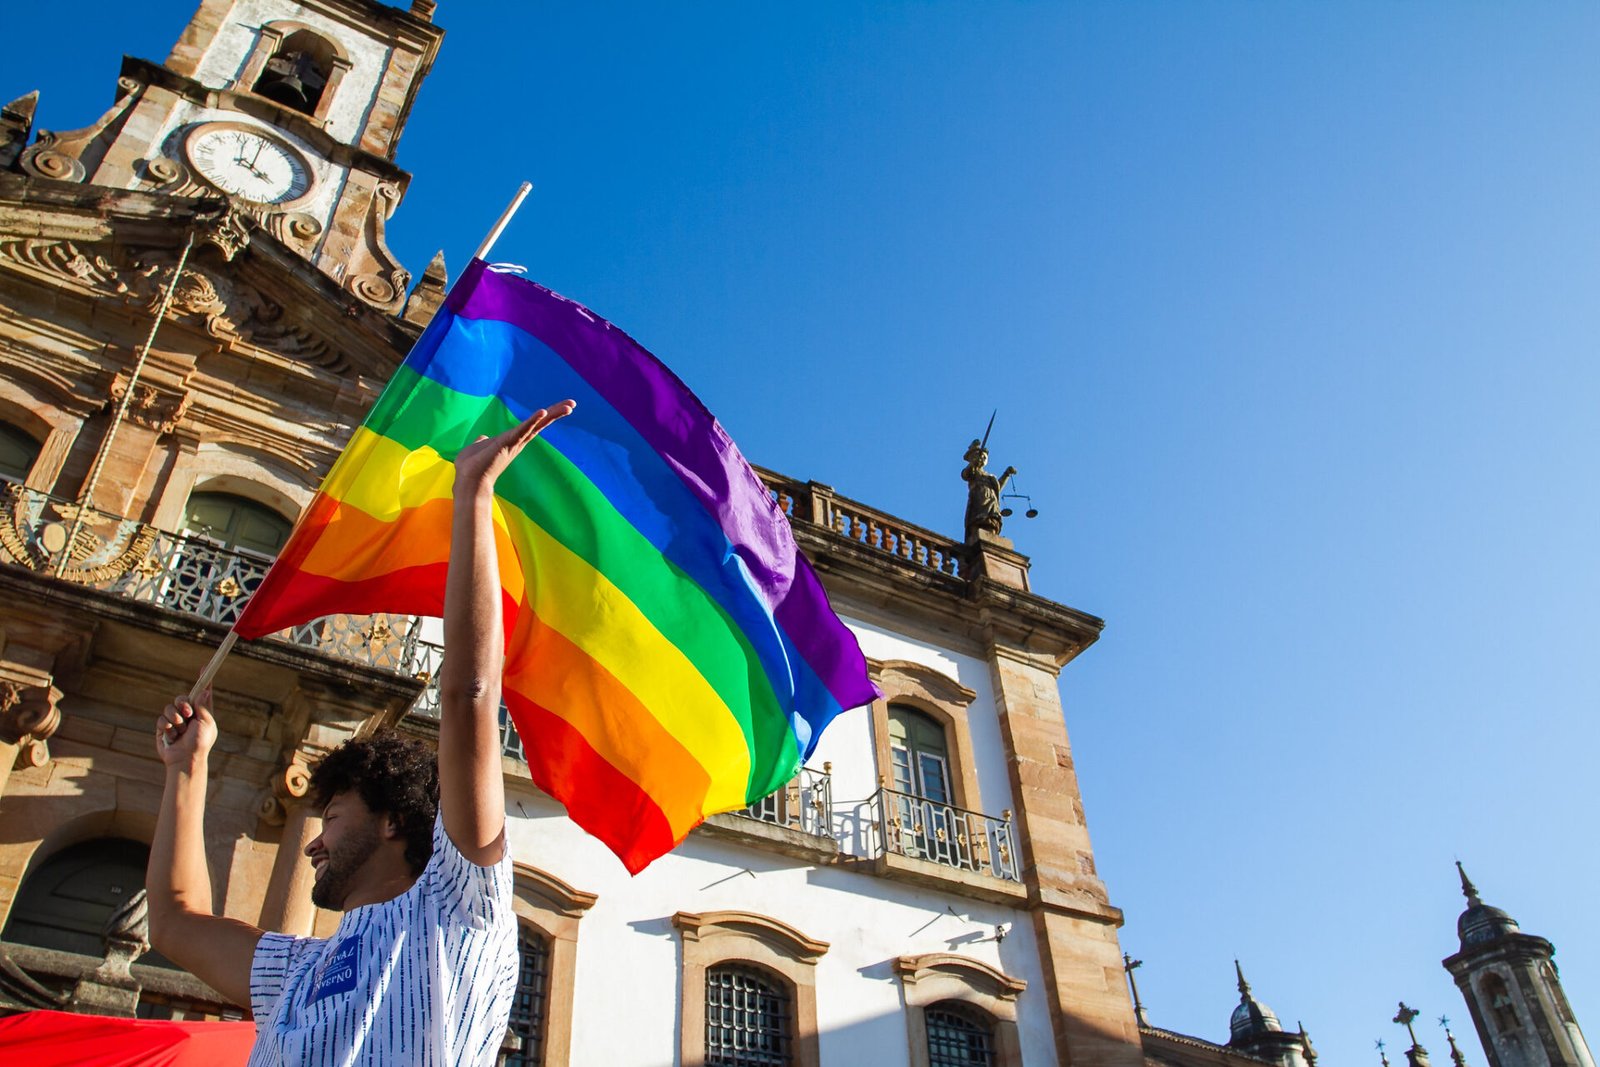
940 844
188 574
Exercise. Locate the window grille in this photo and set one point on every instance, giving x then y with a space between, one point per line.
957 1040
747 1020
528 1005
510 740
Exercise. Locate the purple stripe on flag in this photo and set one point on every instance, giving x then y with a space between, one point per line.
672 420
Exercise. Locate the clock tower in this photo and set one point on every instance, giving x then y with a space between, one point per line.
290 110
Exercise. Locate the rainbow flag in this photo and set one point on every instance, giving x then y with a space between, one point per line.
670 654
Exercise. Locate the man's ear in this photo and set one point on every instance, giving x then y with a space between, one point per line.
391 829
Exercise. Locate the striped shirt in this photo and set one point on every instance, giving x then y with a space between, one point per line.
425 978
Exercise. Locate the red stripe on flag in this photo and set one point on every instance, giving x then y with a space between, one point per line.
599 798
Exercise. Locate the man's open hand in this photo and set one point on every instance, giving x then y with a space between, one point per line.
480 463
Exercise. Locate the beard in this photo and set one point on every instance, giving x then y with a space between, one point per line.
353 851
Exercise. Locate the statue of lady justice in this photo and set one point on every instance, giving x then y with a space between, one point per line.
983 490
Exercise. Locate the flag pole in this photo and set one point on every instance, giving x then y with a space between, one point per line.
503 221
211 668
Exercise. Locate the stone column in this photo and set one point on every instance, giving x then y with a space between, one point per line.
287 906
1074 924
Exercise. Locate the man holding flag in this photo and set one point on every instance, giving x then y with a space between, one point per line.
423 966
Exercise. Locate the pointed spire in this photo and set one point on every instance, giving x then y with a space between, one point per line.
23 108
1307 1050
1456 1056
1244 987
1468 890
1383 1056
429 292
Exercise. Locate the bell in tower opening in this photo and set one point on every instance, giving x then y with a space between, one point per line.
297 74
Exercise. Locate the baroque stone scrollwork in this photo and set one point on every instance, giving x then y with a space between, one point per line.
297 229
228 231
154 408
65 259
55 155
171 176
43 159
227 308
289 788
385 287
30 714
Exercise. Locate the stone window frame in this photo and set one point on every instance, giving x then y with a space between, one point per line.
54 435
271 37
713 938
943 699
935 978
552 908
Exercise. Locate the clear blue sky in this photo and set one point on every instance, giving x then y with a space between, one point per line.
1290 314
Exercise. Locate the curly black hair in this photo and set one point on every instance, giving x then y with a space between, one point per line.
396 776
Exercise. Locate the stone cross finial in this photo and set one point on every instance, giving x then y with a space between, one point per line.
1129 965
1405 1017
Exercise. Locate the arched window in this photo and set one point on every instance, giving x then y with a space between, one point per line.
919 753
958 1036
748 1018
927 825
528 1005
1552 982
1497 998
17 453
235 522
298 72
65 904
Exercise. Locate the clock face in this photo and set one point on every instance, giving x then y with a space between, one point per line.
249 165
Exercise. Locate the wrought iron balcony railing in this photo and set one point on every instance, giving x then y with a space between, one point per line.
805 804
924 829
184 572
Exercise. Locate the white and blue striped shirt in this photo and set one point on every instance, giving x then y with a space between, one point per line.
425 978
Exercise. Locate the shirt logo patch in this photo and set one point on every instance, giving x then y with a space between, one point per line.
338 971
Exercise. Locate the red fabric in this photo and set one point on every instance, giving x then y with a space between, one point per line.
64 1039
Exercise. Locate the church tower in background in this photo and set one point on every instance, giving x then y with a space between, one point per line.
292 111
1513 991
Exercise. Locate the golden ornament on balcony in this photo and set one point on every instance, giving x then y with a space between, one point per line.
228 588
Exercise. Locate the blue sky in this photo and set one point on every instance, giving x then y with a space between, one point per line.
1289 313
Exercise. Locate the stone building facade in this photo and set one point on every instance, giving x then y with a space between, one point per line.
197 306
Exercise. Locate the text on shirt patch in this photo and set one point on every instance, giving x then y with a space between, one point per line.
338 972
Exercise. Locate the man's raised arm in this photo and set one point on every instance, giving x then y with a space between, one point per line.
183 927
471 792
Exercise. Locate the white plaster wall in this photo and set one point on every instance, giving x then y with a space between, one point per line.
236 41
626 1003
988 750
